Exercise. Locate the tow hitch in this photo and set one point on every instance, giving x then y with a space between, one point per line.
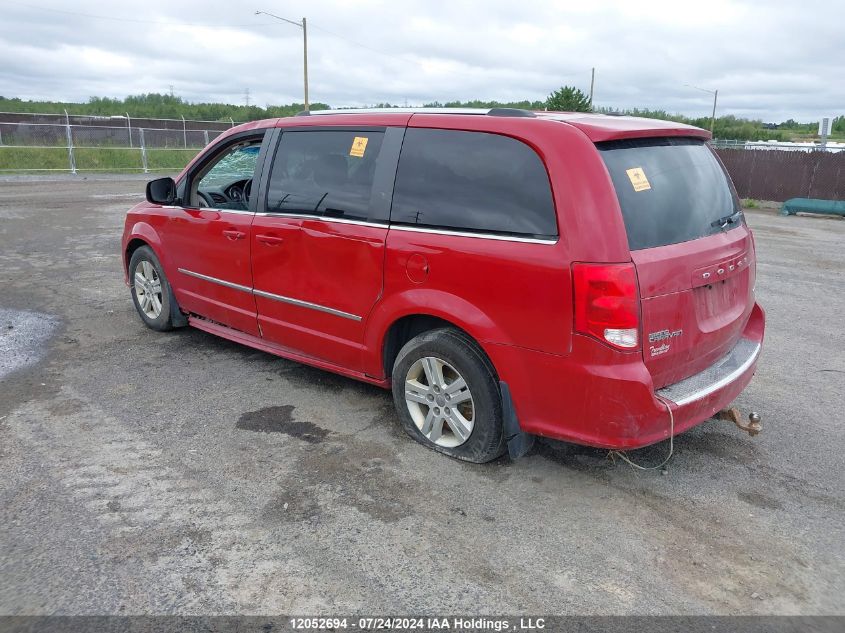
752 427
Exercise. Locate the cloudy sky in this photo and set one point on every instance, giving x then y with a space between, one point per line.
770 59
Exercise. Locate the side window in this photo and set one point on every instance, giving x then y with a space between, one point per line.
472 181
324 173
226 182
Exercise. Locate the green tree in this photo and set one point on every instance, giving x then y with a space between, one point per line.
569 99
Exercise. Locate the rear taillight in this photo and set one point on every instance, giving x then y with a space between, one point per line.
607 303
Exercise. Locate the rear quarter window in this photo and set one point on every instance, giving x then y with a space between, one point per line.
472 181
671 190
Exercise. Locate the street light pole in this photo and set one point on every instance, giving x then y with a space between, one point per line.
713 116
305 60
304 26
715 94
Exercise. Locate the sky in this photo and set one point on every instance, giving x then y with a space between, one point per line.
769 59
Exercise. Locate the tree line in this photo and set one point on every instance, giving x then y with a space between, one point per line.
567 98
156 106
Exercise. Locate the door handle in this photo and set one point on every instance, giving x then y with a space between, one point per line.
269 240
234 235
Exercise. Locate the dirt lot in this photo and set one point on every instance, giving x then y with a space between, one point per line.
179 473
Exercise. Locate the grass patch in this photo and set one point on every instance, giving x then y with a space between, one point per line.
750 203
23 159
105 158
174 159
32 158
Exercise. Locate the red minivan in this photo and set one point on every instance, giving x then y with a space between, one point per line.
508 273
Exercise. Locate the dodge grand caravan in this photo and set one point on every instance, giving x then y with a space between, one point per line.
507 273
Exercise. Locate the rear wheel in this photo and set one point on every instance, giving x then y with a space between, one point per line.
150 290
447 396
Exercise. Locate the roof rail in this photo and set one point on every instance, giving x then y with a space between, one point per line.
514 112
477 111
518 112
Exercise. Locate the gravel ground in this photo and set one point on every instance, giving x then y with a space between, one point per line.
180 473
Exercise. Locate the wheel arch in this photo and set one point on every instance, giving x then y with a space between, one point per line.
389 331
143 234
403 330
133 245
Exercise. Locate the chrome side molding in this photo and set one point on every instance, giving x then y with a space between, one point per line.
270 295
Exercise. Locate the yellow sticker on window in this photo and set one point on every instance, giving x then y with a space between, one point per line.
359 146
638 179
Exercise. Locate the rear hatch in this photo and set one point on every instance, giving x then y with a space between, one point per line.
693 252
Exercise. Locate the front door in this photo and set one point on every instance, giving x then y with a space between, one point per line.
208 238
318 244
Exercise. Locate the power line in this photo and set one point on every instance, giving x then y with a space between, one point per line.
136 20
353 42
208 25
346 39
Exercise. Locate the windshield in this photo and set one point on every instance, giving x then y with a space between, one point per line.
671 190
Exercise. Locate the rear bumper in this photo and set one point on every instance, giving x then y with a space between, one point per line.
609 401
720 374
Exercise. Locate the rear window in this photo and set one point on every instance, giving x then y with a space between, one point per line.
472 181
671 190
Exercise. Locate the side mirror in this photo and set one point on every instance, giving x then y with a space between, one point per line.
161 191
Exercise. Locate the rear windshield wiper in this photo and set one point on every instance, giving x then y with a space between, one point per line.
728 219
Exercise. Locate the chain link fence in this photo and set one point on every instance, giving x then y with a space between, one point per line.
65 143
39 143
787 146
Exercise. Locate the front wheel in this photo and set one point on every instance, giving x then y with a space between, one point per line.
447 396
150 290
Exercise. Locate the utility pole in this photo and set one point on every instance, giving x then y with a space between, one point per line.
592 85
246 98
304 26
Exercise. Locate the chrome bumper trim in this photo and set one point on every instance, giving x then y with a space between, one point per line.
719 374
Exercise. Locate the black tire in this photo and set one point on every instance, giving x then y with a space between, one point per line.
486 440
163 322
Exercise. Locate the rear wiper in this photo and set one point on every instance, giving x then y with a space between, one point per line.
728 219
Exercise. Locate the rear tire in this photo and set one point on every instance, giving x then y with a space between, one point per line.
150 290
447 396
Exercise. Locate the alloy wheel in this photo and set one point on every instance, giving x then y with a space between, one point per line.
148 289
439 401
